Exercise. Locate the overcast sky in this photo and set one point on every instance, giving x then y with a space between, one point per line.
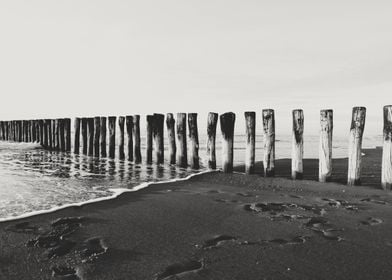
91 57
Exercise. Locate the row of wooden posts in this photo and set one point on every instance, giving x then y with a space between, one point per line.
56 135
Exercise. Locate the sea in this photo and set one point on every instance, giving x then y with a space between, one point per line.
34 180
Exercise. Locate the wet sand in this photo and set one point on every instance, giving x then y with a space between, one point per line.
214 226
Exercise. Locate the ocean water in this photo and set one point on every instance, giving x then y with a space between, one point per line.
33 180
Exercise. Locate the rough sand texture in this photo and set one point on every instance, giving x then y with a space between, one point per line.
213 226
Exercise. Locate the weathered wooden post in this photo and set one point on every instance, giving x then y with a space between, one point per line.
149 127
41 131
90 129
227 121
269 142
129 126
194 140
171 135
157 134
62 134
136 139
212 121
297 155
386 169
84 136
31 129
54 135
46 140
97 135
67 128
33 135
250 122
112 136
355 146
121 122
77 136
182 156
24 131
48 123
103 137
325 148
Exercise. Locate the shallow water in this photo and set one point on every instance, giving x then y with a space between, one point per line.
33 179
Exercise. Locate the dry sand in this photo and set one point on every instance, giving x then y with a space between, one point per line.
214 226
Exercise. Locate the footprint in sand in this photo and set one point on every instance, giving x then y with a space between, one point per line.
216 241
64 272
180 269
372 221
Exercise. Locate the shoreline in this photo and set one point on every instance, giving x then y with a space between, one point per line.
282 165
210 226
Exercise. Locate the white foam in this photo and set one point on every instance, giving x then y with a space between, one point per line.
116 193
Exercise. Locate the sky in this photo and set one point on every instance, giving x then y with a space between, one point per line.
93 57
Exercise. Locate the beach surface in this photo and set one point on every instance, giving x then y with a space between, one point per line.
215 226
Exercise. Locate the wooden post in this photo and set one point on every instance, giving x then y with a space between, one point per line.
41 131
171 135
211 135
53 136
386 169
355 146
67 128
121 122
24 131
194 140
48 124
77 136
112 137
62 134
269 142
45 142
136 139
250 123
325 148
33 135
297 155
157 134
90 129
103 137
97 135
149 126
84 136
31 131
182 156
129 125
227 121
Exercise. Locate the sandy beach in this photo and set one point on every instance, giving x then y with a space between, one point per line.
215 226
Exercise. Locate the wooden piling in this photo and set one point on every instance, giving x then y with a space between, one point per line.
33 135
211 135
227 121
157 134
250 124
90 136
112 136
171 135
48 124
182 156
149 127
77 135
136 139
84 136
269 142
121 122
46 140
194 140
297 152
129 128
386 169
103 137
325 148
67 129
53 135
97 135
62 134
355 146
